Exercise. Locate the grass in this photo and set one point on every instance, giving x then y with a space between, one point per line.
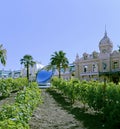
90 120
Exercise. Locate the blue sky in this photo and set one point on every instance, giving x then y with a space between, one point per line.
41 27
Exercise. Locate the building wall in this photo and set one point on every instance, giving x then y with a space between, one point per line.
99 65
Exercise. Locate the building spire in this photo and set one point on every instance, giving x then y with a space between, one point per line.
105 31
77 57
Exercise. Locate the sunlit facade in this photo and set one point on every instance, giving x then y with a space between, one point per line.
103 65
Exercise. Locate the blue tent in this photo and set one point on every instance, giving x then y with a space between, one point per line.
43 77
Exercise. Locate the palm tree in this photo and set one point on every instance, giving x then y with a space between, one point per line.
27 60
59 60
3 56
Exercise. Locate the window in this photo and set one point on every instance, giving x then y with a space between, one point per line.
85 68
115 65
104 65
94 68
104 51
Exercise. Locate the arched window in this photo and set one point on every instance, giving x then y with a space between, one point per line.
85 68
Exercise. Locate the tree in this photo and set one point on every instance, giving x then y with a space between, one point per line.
59 60
3 56
27 60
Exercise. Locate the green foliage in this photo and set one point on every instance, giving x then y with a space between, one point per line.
27 61
17 115
12 124
59 60
3 55
103 98
9 85
112 104
5 87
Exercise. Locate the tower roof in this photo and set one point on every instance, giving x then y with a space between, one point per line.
105 41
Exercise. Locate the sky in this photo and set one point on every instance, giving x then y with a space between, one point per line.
41 27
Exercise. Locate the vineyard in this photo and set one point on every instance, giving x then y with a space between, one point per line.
17 114
102 98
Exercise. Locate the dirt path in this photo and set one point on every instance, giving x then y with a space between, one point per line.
50 115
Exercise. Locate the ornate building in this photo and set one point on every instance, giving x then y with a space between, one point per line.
103 65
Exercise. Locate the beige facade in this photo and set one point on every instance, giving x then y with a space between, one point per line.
99 65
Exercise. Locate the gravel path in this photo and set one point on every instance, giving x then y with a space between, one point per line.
50 115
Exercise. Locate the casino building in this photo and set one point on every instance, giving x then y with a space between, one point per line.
103 65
